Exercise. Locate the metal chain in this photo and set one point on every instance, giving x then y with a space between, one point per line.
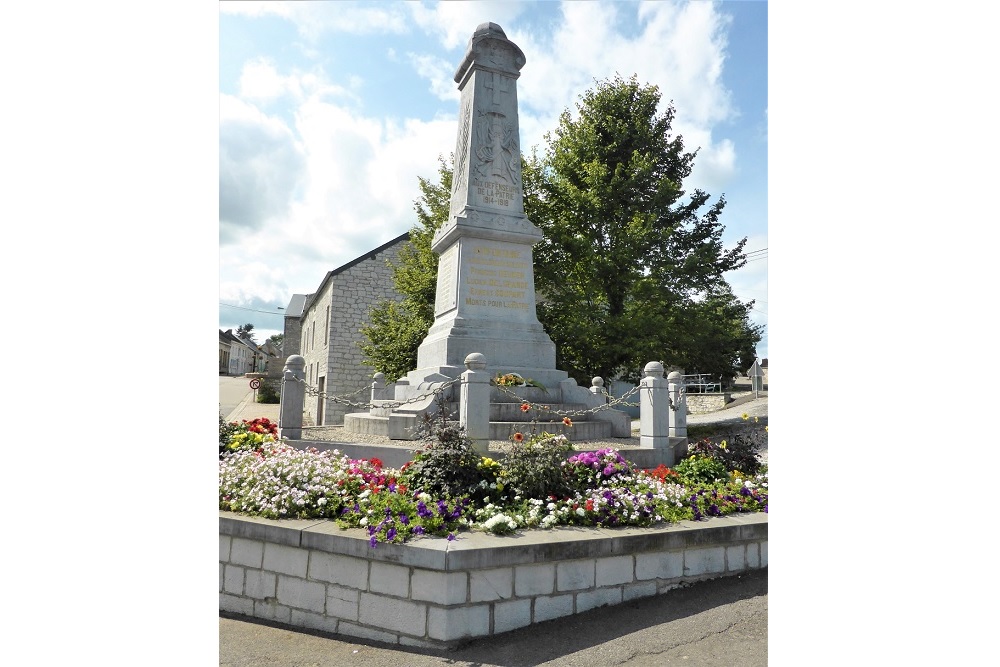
612 401
345 398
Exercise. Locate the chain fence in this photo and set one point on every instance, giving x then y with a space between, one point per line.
611 402
345 399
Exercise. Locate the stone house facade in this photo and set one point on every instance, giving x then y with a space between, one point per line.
325 328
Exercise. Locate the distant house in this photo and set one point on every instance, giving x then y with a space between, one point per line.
225 347
325 328
243 354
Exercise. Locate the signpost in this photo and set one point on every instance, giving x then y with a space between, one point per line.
255 385
756 375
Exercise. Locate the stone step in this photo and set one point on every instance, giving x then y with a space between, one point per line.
580 430
363 422
511 412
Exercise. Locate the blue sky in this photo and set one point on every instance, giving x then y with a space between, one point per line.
329 111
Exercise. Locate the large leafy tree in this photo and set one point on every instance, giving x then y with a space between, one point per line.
631 267
396 328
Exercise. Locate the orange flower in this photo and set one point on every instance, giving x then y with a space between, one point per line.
567 421
518 437
525 407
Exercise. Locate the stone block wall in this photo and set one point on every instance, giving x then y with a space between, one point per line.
701 403
435 593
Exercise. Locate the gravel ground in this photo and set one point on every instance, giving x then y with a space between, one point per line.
753 408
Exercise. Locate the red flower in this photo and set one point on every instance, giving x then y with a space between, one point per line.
525 407
567 421
377 463
518 437
590 505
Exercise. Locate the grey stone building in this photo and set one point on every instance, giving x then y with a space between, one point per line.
324 327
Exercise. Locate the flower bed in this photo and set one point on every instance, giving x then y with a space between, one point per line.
449 488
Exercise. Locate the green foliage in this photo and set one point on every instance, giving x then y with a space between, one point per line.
269 392
737 447
627 254
533 468
226 432
246 330
701 469
448 465
278 339
396 329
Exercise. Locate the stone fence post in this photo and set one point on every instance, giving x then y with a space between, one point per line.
597 387
379 391
654 408
474 402
678 416
293 395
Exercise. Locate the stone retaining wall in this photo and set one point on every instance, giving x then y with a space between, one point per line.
433 593
701 403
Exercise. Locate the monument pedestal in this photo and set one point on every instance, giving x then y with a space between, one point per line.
485 298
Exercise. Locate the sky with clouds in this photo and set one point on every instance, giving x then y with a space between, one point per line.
329 111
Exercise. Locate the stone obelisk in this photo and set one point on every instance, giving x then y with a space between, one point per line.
485 299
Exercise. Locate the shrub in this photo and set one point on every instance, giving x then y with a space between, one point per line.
700 468
534 468
269 392
447 466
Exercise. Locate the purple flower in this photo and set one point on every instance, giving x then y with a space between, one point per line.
403 519
418 530
609 470
373 541
451 536
390 534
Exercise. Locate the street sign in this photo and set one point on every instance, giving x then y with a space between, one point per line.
255 383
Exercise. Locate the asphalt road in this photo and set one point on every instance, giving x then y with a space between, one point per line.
232 390
721 623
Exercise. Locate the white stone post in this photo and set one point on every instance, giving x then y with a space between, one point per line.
474 402
678 416
597 387
293 394
654 407
379 391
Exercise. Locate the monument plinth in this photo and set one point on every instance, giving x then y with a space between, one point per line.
485 299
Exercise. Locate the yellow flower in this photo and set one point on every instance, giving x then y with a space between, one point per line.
722 444
745 416
756 420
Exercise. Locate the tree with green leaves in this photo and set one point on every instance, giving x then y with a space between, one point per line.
246 331
630 269
396 328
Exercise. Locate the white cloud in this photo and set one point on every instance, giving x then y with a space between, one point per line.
260 164
315 19
439 72
454 22
588 43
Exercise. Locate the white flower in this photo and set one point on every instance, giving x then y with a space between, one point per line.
580 511
364 521
321 501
